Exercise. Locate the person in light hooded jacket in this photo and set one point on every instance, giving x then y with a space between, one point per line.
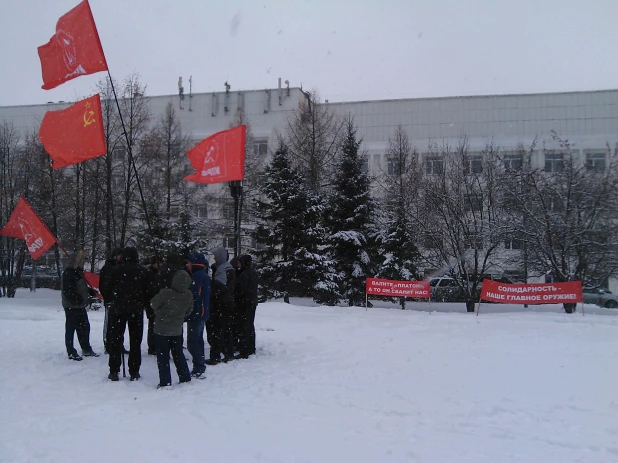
171 306
219 326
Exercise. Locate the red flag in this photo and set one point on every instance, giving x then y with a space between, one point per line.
220 157
93 279
74 134
74 50
26 225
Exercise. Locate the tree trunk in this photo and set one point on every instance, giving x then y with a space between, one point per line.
569 307
470 305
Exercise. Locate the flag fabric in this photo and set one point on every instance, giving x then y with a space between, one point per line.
74 50
74 134
220 157
25 224
93 280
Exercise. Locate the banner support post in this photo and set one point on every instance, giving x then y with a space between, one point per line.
478 307
366 300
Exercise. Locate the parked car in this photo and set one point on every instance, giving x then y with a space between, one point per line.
601 297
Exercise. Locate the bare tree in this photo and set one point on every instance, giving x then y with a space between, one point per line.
461 217
113 133
566 214
313 138
136 116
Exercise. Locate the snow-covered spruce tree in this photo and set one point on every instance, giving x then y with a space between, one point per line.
288 236
349 220
398 248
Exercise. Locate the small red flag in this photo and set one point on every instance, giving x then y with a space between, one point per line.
74 134
220 157
93 280
25 224
74 50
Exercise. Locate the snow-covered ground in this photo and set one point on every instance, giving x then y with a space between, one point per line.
431 384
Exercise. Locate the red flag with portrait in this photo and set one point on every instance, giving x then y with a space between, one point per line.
74 134
74 50
220 157
25 224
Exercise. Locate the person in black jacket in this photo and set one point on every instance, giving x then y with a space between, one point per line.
245 300
75 297
219 325
130 288
104 275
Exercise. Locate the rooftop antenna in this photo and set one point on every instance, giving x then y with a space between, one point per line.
190 92
227 87
181 93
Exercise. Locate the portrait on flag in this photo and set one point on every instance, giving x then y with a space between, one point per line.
25 224
74 50
220 157
74 134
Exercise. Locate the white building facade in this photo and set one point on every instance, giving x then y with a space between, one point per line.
588 120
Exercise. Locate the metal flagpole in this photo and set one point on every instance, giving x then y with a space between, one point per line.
131 159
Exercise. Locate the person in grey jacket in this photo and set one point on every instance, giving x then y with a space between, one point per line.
171 306
75 296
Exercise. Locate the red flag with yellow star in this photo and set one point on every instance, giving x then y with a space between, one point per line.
74 134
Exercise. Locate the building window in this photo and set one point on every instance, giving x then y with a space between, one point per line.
514 162
365 164
227 210
474 165
434 165
475 242
201 211
117 181
595 162
555 204
174 211
257 245
119 154
391 166
554 162
228 241
473 202
260 148
513 244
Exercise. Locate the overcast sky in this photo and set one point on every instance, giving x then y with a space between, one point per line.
347 50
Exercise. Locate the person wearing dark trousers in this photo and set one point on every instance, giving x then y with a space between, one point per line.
237 317
104 276
155 286
246 299
200 288
75 296
219 326
130 288
171 306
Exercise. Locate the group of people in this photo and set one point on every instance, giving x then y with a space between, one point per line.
171 293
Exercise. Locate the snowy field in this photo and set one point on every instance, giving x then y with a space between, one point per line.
328 385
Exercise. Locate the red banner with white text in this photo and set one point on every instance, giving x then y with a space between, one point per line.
532 293
380 287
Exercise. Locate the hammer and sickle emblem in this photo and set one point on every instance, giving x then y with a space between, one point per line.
89 118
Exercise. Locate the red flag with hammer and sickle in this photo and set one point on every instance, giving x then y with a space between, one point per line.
25 224
74 50
220 157
74 134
